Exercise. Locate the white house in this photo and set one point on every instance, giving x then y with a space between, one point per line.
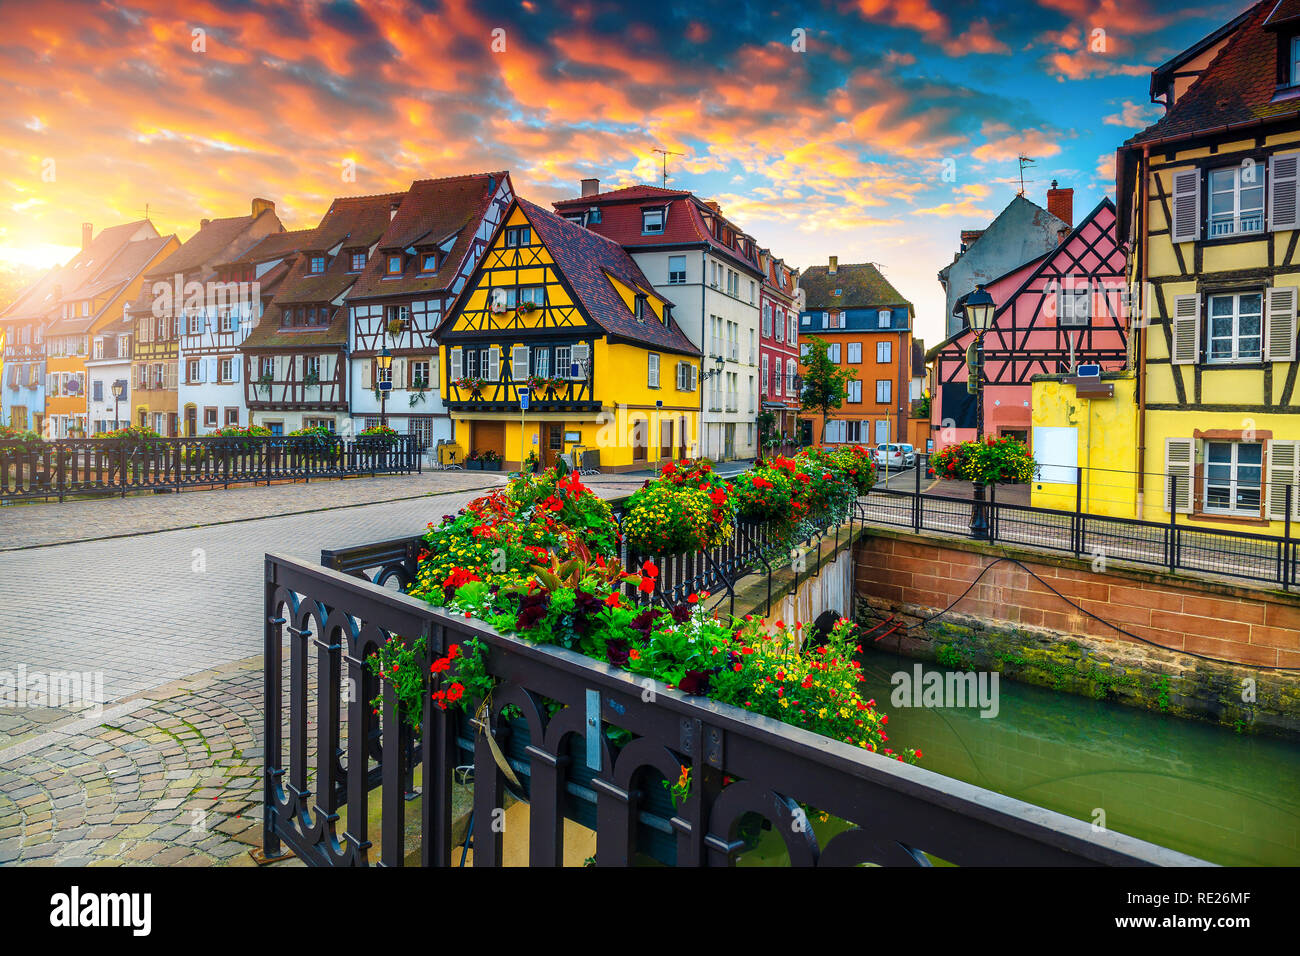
109 364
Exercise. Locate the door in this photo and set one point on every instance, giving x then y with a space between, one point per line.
666 438
489 436
729 442
191 421
553 435
640 439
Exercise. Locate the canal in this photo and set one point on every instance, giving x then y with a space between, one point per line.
1204 790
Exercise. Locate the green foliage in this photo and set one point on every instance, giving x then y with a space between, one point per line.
991 460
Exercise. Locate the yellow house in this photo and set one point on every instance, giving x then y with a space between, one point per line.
566 314
1209 197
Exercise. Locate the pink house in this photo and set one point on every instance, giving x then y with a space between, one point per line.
1069 301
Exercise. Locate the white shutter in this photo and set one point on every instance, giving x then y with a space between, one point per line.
695 377
1186 226
399 373
579 354
1284 180
1283 471
367 378
1280 325
456 366
652 365
519 363
493 371
1178 466
1187 330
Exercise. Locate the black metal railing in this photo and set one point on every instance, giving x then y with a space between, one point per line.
108 466
1174 545
327 750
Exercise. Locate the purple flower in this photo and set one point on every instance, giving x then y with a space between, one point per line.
643 622
682 613
616 651
532 608
694 682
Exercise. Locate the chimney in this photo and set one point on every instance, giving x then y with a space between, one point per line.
590 187
835 265
87 230
1060 203
204 223
262 205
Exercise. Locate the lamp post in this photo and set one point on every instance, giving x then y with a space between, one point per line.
384 363
979 315
118 388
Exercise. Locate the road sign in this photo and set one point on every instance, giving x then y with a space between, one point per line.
1090 370
523 399
659 403
385 386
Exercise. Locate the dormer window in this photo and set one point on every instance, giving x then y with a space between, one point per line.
394 266
429 262
593 215
1294 46
317 265
638 307
358 261
839 291
652 222
517 236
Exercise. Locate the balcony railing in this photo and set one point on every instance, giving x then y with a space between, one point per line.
503 396
322 623
108 466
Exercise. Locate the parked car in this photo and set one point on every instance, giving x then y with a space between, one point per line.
895 455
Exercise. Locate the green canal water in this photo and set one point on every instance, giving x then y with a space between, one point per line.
1195 787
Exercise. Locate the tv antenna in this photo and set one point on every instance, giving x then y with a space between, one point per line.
1024 161
666 153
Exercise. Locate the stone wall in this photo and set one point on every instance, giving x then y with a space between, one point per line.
1013 622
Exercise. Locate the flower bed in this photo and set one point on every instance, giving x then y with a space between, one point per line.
536 560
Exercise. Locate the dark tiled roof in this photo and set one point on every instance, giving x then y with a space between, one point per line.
684 224
277 245
267 334
132 259
351 222
1237 86
861 284
211 244
433 211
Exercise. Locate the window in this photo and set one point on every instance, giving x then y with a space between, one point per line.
855 392
232 416
193 371
99 348
519 236
535 294
791 377
652 222
1236 200
226 370
227 321
394 265
209 418
1233 473
780 325
676 270
883 316
653 363
542 362
97 390
855 353
884 391
429 263
419 373
123 346
1235 327
317 264
358 261
765 379
833 352
563 361
326 423
884 351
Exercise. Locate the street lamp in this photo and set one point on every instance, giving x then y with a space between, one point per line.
979 316
385 365
118 388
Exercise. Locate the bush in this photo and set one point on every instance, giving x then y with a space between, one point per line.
664 518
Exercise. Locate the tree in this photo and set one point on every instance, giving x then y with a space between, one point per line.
825 384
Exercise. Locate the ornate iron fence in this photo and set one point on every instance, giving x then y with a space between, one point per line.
108 466
747 772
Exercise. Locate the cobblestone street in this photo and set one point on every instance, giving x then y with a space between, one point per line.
169 772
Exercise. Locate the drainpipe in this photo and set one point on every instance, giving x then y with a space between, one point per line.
699 418
1144 308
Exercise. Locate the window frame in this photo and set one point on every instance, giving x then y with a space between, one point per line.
1237 189
1233 483
1236 357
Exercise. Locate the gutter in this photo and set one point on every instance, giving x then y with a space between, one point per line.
1144 306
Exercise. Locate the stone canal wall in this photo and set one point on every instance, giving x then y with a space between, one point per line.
1046 620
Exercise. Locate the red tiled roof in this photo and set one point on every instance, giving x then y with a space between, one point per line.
132 259
433 211
684 222
1237 87
277 245
213 242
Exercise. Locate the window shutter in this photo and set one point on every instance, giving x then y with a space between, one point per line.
234 368
695 377
367 374
1284 179
1283 471
519 363
1279 333
1187 329
1187 206
579 354
493 371
399 373
1178 466
456 366
652 364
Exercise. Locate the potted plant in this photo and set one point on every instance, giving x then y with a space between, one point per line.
491 461
470 384
395 326
264 381
376 438
473 462
984 462
419 387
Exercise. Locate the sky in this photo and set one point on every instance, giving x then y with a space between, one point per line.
868 129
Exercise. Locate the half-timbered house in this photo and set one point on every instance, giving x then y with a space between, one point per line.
1209 196
433 242
295 360
567 314
1061 309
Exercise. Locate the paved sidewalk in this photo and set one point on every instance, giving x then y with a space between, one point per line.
40 524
